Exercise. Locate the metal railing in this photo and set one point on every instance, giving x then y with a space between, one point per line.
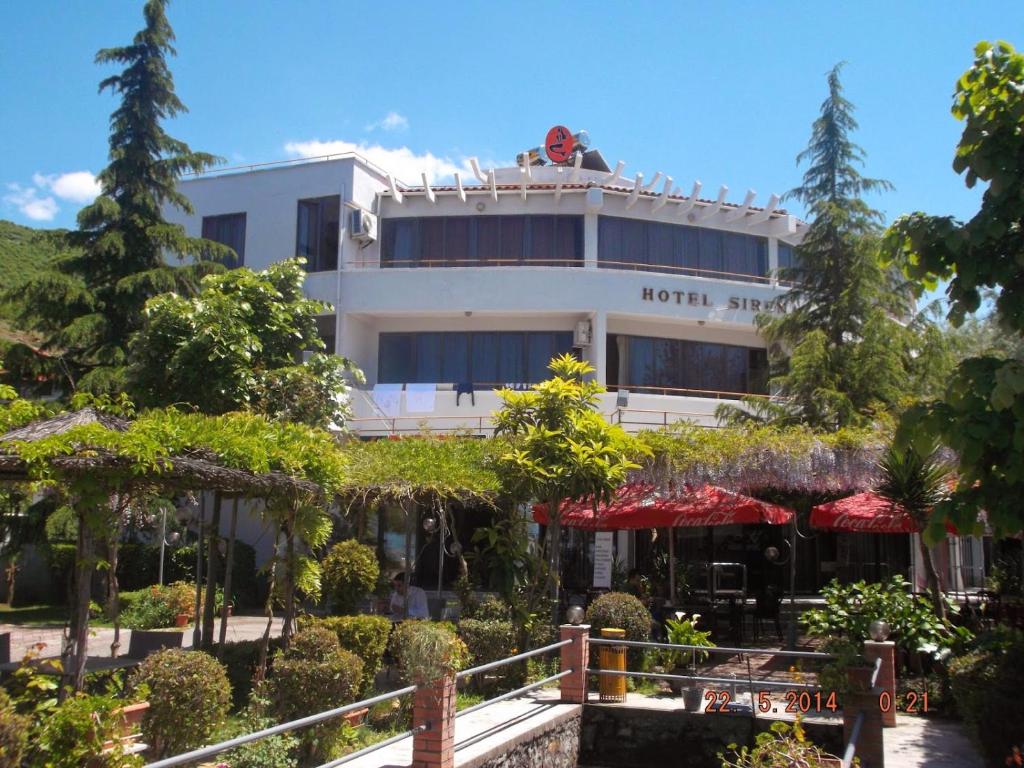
743 653
851 747
303 722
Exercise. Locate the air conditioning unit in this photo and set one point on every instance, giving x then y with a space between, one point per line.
581 334
363 226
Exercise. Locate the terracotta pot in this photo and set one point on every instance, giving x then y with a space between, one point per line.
356 717
132 714
181 620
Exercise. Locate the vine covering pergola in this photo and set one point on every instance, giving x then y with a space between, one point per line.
99 460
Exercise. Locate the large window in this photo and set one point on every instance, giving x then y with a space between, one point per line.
318 227
459 241
485 358
655 247
685 367
227 229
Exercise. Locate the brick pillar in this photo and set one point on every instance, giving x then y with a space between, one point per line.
886 675
575 657
434 706
870 749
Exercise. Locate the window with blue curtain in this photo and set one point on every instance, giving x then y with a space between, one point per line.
227 229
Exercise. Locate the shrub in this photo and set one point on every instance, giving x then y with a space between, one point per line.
74 733
314 674
488 641
240 659
157 606
427 650
13 733
365 636
271 752
850 609
188 695
492 608
782 746
621 611
986 685
350 571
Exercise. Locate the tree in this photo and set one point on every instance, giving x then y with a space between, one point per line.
841 298
917 482
90 301
561 448
234 346
981 412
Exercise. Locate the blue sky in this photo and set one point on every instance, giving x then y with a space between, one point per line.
721 92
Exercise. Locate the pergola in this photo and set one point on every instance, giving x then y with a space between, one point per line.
112 477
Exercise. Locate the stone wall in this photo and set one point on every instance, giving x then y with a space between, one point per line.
630 737
554 745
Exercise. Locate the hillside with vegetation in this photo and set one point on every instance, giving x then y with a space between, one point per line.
24 252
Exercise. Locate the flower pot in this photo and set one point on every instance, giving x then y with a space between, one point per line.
356 717
132 714
693 697
181 620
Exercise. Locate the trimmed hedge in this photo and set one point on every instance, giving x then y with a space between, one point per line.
240 659
489 641
986 685
619 610
365 636
350 572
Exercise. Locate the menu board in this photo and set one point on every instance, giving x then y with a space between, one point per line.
604 557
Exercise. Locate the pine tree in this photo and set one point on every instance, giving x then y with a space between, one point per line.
841 297
90 302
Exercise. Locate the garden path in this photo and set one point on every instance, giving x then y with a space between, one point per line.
23 638
916 742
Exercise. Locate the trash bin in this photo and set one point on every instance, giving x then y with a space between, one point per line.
613 657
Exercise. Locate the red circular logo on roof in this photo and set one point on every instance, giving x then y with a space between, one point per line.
559 144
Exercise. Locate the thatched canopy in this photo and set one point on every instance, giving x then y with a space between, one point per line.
195 469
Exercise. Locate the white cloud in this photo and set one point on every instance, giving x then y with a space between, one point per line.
77 186
28 202
401 162
392 121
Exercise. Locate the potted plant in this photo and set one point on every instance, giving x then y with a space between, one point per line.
682 631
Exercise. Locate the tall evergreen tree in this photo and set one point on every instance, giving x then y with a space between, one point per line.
90 302
838 355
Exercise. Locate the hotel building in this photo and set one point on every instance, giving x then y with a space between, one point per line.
444 293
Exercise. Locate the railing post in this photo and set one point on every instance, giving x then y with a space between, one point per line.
886 675
869 745
575 657
434 707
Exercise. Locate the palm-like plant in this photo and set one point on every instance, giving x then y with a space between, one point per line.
917 482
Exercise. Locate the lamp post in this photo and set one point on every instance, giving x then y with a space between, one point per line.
164 543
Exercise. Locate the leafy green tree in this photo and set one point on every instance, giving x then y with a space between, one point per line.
90 301
840 353
981 413
917 481
236 346
561 448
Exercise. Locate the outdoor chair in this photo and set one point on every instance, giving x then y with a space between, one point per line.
142 643
5 647
768 606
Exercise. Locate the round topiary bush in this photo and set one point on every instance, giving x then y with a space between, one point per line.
621 611
350 571
13 733
365 636
312 675
189 696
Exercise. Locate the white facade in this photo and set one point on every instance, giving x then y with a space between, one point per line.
614 304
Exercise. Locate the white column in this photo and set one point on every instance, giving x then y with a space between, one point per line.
590 241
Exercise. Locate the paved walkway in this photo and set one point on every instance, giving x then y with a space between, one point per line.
23 638
929 741
486 733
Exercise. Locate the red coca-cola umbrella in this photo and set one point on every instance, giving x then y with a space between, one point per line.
866 512
640 505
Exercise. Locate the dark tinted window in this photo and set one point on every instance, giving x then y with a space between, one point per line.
440 241
656 246
485 358
318 225
689 367
229 230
